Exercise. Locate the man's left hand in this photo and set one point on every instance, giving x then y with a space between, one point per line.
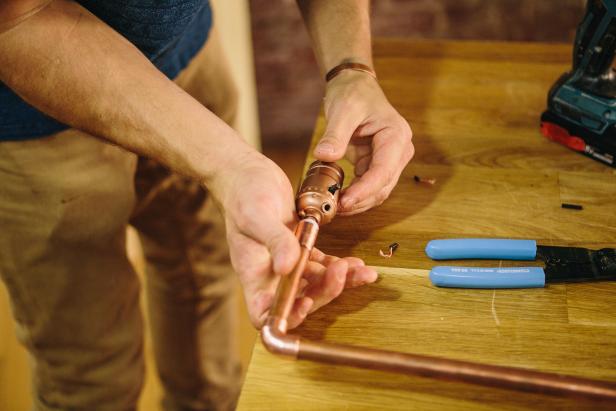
363 127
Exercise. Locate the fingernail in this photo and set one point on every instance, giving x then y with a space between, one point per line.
372 277
303 309
325 148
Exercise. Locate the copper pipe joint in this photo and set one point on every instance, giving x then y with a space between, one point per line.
316 202
277 341
318 195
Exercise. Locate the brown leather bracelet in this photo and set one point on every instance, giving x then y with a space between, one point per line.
12 14
349 66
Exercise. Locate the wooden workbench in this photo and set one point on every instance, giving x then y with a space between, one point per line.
474 108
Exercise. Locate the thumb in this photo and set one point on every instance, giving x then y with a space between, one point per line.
340 128
280 241
284 249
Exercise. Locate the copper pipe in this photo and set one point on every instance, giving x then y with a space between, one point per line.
455 370
306 233
315 192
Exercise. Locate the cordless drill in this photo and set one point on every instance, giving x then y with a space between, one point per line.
581 110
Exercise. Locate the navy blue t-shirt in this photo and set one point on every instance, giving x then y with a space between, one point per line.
168 32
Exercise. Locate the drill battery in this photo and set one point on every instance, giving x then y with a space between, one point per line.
581 111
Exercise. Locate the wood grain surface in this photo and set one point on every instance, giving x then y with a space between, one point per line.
474 108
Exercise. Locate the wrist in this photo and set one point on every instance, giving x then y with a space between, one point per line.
350 78
230 161
348 65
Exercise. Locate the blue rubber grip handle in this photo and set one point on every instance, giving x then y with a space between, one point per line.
480 277
489 248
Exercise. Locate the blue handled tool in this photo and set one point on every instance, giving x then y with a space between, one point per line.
562 264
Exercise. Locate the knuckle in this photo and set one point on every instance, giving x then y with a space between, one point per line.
243 215
378 198
390 176
382 196
334 291
403 129
409 153
242 219
405 125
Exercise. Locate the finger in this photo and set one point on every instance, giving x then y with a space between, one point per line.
313 273
301 289
370 202
258 307
354 262
360 275
357 151
365 205
259 291
317 255
252 261
360 208
341 124
316 269
284 248
301 308
320 257
330 286
362 165
279 240
385 169
355 211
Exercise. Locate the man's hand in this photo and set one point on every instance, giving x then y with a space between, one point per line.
259 208
364 127
361 123
141 110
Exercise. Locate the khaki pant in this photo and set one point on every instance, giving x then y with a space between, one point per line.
65 202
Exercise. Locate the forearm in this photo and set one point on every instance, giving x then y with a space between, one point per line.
75 68
340 31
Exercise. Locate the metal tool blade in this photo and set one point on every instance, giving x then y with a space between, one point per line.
574 264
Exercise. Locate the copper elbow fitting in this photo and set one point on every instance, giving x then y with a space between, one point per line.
277 341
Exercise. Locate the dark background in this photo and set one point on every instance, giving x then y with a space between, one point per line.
290 87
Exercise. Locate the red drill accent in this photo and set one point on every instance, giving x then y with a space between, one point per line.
561 135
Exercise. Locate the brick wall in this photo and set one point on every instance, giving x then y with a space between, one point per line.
289 85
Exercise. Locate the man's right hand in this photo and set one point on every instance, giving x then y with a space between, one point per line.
259 208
